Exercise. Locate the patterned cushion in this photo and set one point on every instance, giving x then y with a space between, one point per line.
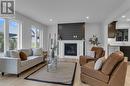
14 54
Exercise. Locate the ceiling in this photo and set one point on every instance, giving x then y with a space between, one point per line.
124 17
65 11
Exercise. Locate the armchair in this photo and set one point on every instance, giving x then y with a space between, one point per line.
112 73
99 52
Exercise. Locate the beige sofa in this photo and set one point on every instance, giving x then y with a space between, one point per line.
112 73
16 66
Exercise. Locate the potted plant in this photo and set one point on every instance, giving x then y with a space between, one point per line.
94 41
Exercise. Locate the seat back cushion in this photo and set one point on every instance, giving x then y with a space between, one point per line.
23 56
98 51
111 62
37 52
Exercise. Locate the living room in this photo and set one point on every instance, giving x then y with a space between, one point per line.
47 42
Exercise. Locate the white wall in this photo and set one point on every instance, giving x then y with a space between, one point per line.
26 33
93 29
52 30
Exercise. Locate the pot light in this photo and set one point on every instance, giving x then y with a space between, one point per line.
123 16
50 19
87 17
128 19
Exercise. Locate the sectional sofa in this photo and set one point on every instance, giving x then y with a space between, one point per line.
13 65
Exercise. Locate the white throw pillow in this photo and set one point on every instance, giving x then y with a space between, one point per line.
99 63
37 52
91 53
14 54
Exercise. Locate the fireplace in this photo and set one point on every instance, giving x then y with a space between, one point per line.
70 49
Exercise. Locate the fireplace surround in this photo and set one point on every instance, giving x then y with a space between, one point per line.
70 48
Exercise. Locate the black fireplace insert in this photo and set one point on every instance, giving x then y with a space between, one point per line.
70 49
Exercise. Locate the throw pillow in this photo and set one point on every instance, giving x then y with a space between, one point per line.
23 56
91 54
37 52
26 51
99 63
14 54
7 53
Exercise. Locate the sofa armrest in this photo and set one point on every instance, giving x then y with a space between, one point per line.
82 60
85 59
9 65
119 75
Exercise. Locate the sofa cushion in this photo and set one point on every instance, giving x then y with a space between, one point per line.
23 56
14 54
111 62
29 60
32 57
37 52
89 71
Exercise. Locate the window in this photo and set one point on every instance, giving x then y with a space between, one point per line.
13 34
1 35
35 37
122 35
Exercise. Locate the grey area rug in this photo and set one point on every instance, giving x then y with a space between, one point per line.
64 74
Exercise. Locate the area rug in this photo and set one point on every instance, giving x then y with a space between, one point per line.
64 74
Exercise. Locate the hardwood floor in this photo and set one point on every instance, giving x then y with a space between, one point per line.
13 80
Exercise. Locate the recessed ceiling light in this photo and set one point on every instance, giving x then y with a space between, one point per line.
128 19
123 16
87 17
50 19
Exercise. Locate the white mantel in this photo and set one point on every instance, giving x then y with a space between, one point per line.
79 48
